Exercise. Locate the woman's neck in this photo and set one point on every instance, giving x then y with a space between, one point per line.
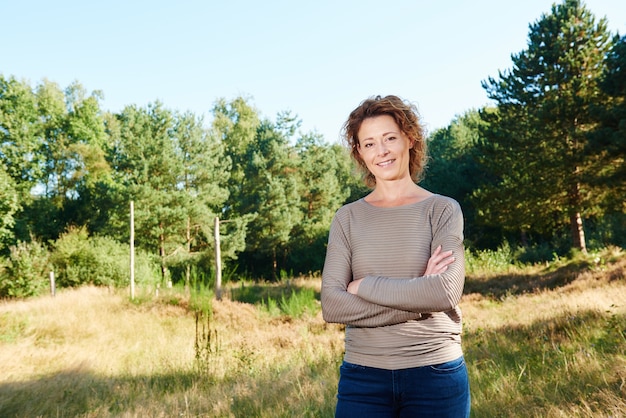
399 194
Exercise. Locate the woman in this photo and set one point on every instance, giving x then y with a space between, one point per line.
394 275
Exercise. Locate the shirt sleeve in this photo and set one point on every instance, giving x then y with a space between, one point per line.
338 305
431 293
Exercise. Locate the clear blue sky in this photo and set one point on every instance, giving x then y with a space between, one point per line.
318 59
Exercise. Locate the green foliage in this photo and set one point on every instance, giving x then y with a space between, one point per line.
610 134
20 135
9 205
454 170
299 303
26 272
489 261
546 363
201 298
294 305
322 192
538 135
79 259
547 159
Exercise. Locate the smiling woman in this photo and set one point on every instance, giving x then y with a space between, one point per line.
394 275
384 148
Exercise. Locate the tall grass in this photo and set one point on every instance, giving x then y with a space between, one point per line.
553 348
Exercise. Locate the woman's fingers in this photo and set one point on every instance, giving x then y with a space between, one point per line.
439 261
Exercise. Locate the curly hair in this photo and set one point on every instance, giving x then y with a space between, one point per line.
407 118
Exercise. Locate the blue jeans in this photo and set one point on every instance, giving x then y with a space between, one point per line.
431 391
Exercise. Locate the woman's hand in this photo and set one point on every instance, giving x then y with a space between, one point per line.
439 262
353 286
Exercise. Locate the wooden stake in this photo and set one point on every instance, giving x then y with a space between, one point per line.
218 260
132 250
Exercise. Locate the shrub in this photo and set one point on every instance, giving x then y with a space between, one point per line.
489 261
294 305
26 271
79 259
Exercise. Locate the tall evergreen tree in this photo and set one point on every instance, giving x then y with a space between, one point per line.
323 188
205 171
272 192
235 123
151 171
610 137
453 170
537 137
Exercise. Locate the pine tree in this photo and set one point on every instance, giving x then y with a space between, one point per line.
537 140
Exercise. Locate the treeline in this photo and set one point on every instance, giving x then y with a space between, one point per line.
542 171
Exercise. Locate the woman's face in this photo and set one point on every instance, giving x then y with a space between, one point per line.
384 148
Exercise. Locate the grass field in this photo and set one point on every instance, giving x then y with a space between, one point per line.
543 341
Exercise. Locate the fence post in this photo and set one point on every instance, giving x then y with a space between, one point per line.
53 290
218 260
132 250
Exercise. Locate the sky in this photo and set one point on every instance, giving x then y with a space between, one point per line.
317 59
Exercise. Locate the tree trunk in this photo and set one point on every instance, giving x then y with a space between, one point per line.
575 219
274 265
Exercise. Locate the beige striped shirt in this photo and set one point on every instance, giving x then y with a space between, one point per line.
400 317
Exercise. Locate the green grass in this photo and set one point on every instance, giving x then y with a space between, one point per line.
572 362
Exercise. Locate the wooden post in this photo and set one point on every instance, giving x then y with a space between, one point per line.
53 290
132 250
218 260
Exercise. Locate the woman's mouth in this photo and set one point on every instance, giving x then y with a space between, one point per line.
385 163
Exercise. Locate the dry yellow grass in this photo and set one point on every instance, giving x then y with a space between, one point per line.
90 352
590 290
66 343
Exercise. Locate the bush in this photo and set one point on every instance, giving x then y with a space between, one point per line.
26 272
101 261
296 305
538 253
489 261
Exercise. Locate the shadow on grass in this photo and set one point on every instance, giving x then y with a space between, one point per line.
552 367
307 392
505 284
259 293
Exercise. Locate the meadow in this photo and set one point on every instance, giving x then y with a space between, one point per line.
545 340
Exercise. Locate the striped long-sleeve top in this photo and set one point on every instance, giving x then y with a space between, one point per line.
400 318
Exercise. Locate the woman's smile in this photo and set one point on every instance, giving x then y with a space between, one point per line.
384 148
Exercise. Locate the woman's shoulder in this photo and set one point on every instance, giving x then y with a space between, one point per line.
350 207
441 200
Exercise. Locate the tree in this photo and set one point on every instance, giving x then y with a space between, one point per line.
271 191
20 138
322 175
236 123
453 170
9 205
610 137
205 172
537 137
51 142
151 174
